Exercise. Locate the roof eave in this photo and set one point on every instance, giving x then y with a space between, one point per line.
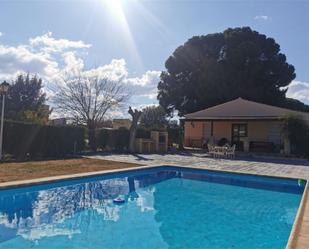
235 118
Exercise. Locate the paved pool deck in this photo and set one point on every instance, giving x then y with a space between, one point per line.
259 166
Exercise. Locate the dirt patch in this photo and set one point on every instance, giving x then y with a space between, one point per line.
38 169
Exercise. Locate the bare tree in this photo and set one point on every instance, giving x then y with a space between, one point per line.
86 100
136 114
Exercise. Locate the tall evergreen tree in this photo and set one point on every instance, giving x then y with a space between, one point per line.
26 100
212 69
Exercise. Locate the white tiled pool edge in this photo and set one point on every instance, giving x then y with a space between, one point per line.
299 236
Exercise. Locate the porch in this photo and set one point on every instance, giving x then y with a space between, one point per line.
258 136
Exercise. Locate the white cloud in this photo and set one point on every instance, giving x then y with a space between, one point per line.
262 17
1 34
18 59
73 64
146 85
51 44
53 59
116 70
299 90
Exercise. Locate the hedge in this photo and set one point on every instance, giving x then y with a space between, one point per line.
34 140
142 132
174 135
113 139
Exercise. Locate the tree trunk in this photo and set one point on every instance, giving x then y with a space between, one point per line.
132 139
135 117
92 137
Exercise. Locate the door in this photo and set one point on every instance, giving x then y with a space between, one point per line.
239 131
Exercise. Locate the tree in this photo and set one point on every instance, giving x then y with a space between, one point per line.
297 130
26 100
154 117
295 104
86 100
212 69
135 114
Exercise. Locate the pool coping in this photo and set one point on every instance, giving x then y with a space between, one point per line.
299 235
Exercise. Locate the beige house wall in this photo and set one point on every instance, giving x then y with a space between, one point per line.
193 136
266 131
222 129
194 129
121 123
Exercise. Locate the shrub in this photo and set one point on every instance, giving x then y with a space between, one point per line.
121 139
35 140
142 132
114 139
297 130
103 138
223 141
174 135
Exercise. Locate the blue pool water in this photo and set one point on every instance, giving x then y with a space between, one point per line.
166 207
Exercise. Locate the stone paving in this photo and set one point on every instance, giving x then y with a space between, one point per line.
259 166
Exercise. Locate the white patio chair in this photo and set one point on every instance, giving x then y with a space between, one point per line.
230 152
220 151
211 150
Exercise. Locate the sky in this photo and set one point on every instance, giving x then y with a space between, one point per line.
130 40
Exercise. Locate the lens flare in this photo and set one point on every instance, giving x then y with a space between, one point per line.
116 8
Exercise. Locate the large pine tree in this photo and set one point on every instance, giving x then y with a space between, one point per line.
212 69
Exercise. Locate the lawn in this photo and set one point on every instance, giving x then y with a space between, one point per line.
37 169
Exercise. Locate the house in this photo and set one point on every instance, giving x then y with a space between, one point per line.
58 121
250 125
121 123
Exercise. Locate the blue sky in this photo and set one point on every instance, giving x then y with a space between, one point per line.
132 39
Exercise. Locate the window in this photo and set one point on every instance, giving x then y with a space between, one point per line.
240 130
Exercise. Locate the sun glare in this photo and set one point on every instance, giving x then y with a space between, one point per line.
115 7
117 10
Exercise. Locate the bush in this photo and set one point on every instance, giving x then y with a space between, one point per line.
35 140
104 138
174 135
297 130
223 141
142 132
121 139
114 139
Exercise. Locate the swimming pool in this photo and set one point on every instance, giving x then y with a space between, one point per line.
165 207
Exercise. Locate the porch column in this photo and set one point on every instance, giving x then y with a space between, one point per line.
246 145
287 146
211 139
212 128
245 141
